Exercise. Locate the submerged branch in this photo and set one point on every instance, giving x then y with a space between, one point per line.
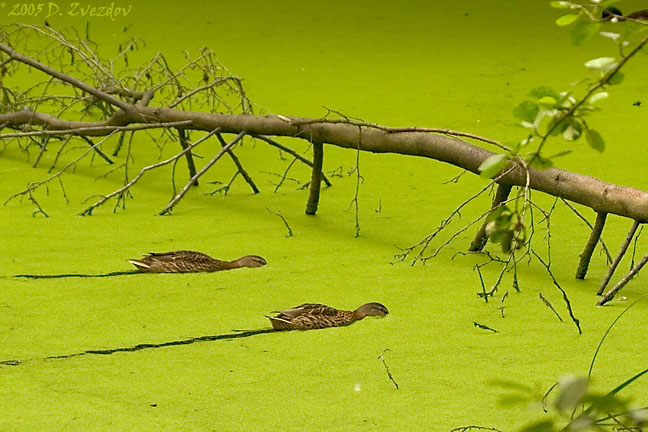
617 260
564 294
167 210
594 238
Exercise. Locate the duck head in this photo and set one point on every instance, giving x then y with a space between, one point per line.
371 309
251 261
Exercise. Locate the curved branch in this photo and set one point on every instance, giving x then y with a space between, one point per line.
602 197
66 78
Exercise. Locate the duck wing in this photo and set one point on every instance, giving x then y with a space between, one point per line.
307 309
181 255
182 261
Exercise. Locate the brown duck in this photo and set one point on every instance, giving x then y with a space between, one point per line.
315 316
185 261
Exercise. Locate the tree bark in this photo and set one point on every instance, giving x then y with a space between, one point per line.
602 197
316 179
594 238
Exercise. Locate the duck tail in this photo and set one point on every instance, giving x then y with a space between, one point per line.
141 265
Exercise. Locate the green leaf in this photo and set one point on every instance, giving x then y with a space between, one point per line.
492 165
603 64
526 111
640 415
561 4
542 91
565 20
581 423
560 127
572 391
614 36
544 119
594 139
573 131
540 163
616 78
582 30
598 96
547 101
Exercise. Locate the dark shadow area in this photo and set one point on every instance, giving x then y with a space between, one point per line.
79 275
140 347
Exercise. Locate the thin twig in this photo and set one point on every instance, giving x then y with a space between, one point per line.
389 375
285 175
484 327
239 165
278 213
290 152
481 280
623 282
634 247
191 166
346 120
167 210
550 306
97 149
565 298
584 219
502 303
88 211
130 109
617 260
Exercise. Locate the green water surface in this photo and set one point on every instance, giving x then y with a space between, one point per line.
460 65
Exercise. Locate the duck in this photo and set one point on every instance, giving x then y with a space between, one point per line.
186 261
310 316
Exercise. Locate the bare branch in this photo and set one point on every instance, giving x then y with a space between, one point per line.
594 238
316 179
88 211
68 79
290 152
623 282
191 166
617 260
584 219
167 210
278 213
239 165
565 298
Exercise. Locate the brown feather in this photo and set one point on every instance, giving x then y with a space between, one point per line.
186 261
309 316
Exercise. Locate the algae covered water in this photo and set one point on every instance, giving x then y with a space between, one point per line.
188 351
